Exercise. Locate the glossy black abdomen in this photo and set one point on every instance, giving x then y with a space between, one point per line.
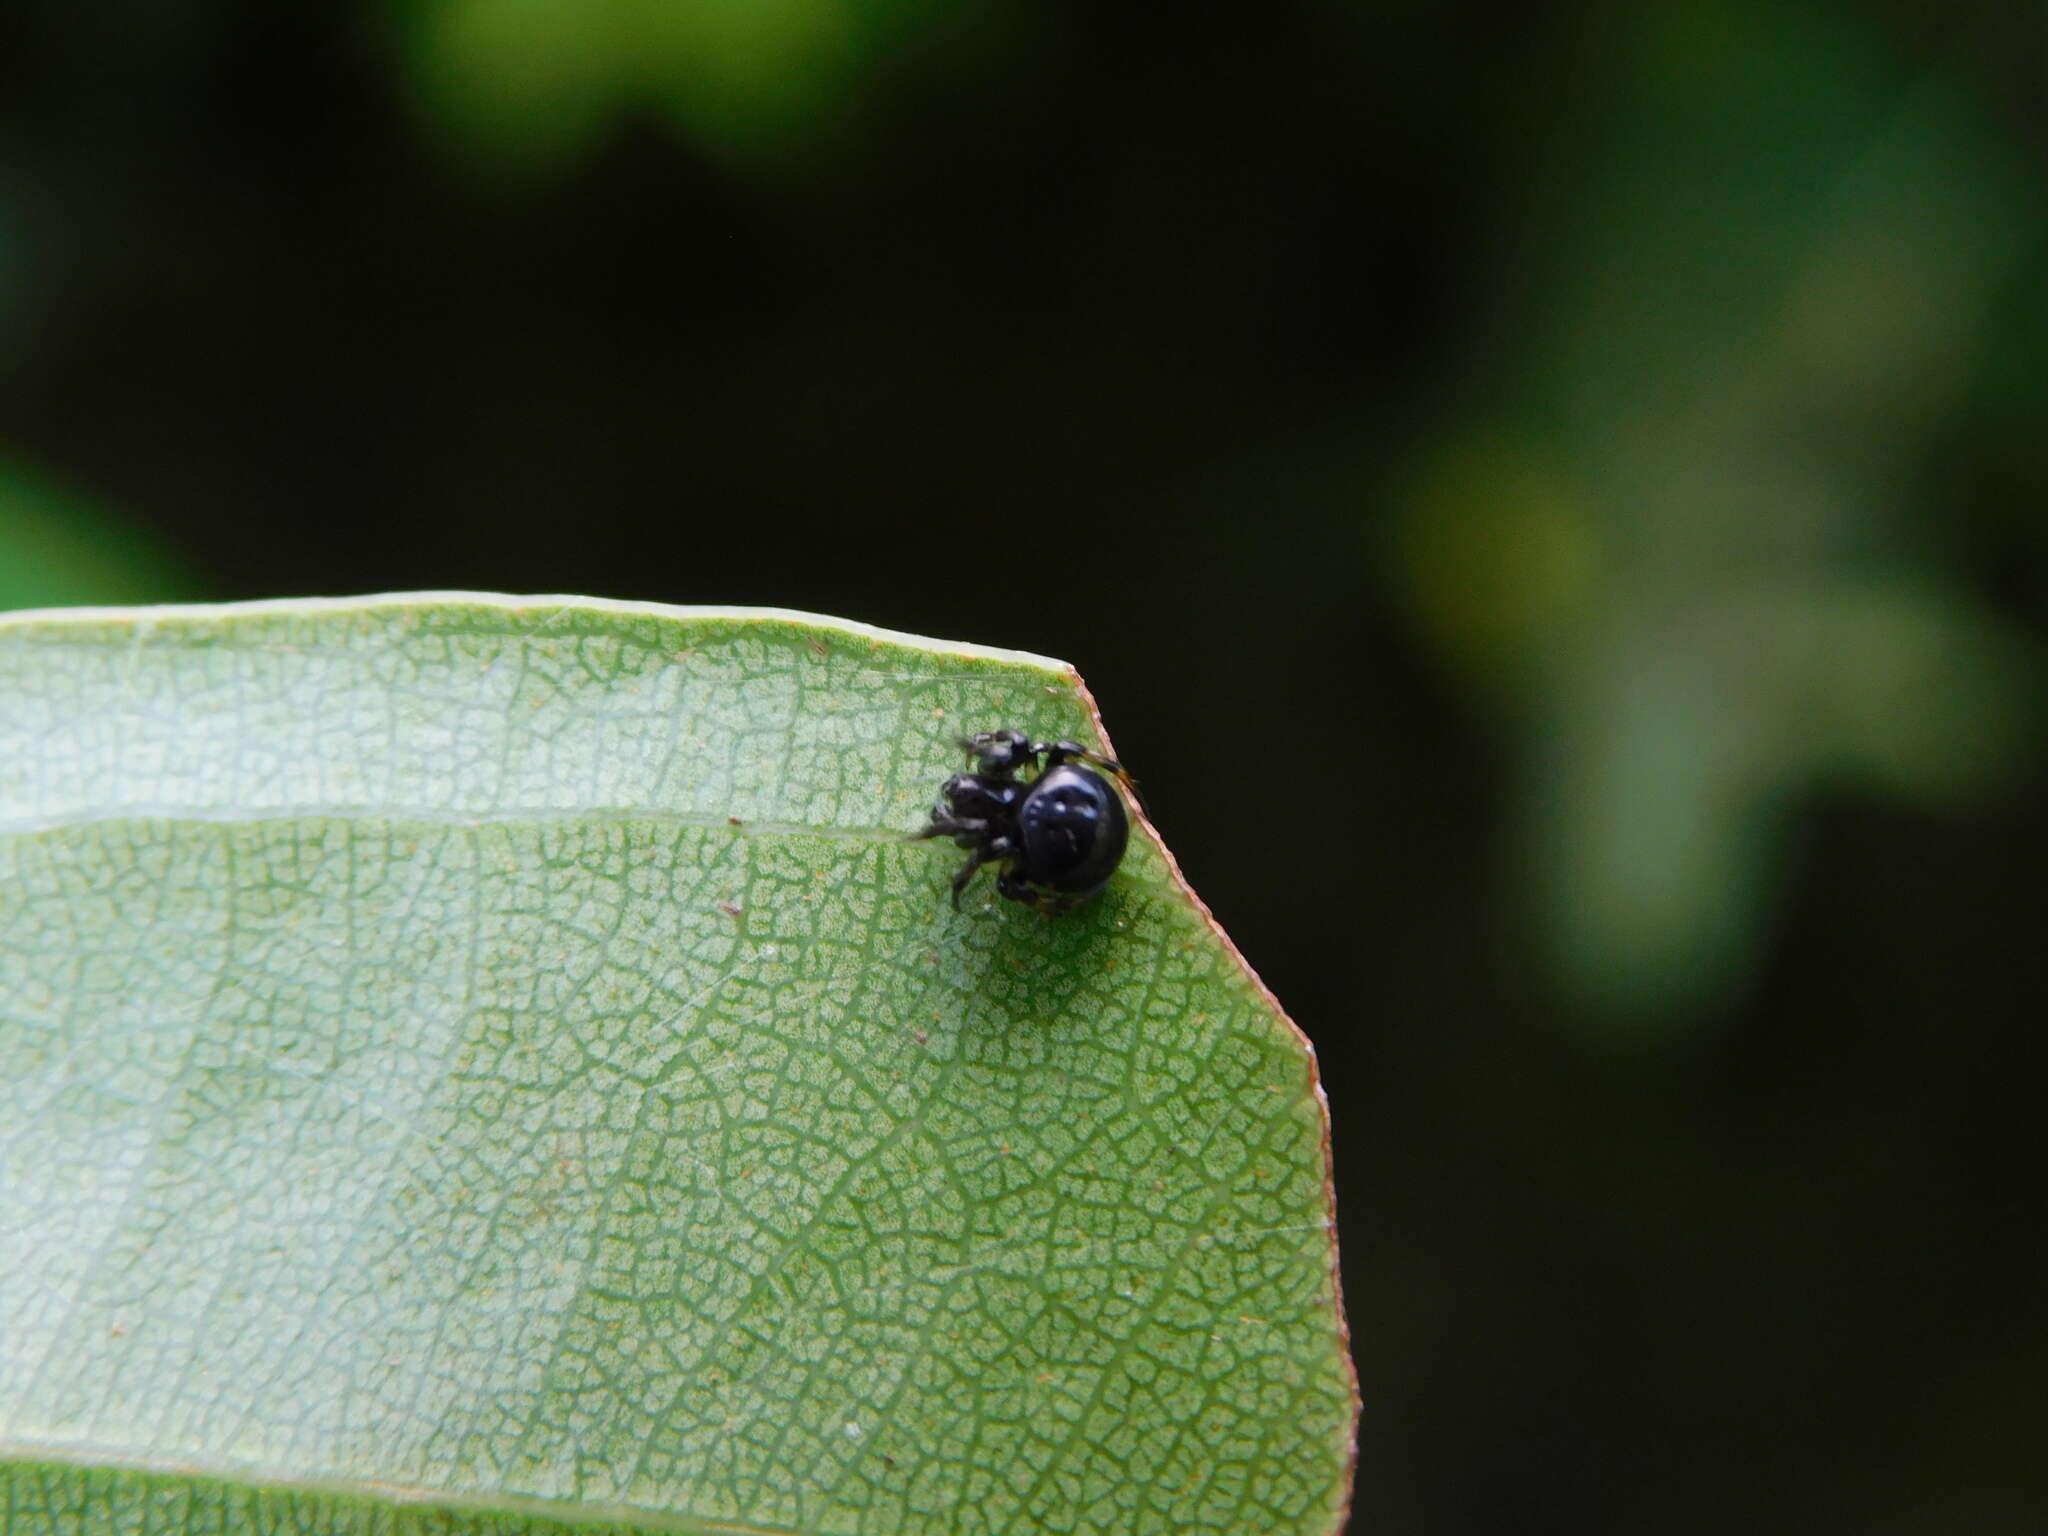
1072 829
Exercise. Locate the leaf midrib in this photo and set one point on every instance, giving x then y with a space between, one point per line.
431 815
570 1513
436 816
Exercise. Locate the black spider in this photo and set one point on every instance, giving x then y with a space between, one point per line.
1059 836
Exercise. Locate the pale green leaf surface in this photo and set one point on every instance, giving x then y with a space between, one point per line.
484 1064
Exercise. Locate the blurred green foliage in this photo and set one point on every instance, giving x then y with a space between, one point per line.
1680 545
534 87
57 549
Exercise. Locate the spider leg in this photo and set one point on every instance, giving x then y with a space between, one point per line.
1051 903
965 873
1058 752
1007 884
992 851
944 824
947 822
999 754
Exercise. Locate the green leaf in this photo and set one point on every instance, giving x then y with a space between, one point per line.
484 1064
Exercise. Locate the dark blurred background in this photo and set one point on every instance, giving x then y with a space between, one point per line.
1551 503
